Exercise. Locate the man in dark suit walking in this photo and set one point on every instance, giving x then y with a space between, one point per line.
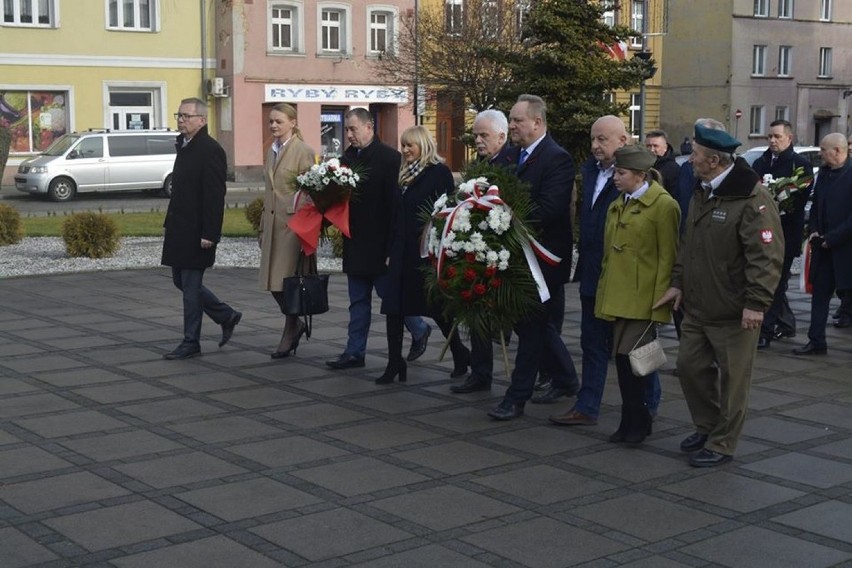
371 215
549 170
193 226
830 234
780 160
490 135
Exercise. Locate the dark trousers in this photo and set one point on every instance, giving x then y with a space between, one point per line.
197 301
779 313
537 334
822 278
556 362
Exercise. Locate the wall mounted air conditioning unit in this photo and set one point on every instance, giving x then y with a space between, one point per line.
216 87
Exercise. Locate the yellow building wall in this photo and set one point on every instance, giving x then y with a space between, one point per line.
81 60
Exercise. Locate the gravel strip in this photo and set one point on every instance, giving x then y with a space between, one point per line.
46 255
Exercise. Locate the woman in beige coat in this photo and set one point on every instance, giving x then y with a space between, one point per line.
287 157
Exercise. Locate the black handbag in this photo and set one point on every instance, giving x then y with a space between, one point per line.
306 293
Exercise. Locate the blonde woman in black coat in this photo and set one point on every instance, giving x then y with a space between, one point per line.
423 177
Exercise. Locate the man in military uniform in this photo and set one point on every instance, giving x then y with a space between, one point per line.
726 273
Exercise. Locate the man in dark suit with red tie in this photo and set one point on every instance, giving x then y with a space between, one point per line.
549 171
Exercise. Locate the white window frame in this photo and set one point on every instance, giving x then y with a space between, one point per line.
489 18
297 43
825 10
635 110
35 12
782 112
785 54
391 28
756 120
522 9
758 61
785 9
825 55
159 92
608 16
637 15
761 8
345 29
453 16
153 16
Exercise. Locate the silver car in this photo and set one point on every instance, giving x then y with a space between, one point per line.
101 161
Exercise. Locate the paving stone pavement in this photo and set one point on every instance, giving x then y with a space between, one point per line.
111 456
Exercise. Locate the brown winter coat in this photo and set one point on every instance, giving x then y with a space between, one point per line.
279 246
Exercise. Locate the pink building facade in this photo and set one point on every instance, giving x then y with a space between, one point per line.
318 56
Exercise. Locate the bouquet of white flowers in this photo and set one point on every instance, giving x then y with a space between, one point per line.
783 189
329 186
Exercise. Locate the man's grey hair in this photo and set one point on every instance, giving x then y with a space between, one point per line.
200 106
536 107
361 114
498 120
725 159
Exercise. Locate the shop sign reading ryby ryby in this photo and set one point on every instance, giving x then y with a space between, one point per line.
345 94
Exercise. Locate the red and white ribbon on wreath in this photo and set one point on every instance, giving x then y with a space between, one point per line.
487 201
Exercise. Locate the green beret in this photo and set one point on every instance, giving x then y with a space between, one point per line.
716 139
635 158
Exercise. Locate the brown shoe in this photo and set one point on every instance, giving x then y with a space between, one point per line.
574 418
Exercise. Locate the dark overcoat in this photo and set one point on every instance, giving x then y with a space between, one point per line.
549 171
405 293
793 221
831 217
197 203
372 209
669 170
592 224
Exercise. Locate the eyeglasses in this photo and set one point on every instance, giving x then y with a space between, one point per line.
183 116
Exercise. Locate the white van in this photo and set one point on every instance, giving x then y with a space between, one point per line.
101 160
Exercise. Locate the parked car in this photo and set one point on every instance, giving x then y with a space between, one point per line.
809 152
101 160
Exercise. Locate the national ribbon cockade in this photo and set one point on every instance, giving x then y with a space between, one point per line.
485 197
329 185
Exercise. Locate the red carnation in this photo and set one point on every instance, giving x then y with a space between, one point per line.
470 275
496 282
466 295
470 257
451 272
490 271
443 284
480 289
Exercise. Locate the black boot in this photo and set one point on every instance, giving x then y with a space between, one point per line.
396 363
619 435
635 416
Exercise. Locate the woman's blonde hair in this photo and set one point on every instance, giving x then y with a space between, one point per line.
419 136
290 111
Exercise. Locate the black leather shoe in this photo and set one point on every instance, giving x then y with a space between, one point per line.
810 348
418 347
693 442
472 384
506 411
553 394
843 322
709 458
781 333
763 343
183 352
346 361
228 327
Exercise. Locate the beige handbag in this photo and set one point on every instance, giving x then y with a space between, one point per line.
648 358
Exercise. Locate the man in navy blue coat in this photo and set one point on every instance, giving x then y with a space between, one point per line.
549 170
607 135
830 230
780 160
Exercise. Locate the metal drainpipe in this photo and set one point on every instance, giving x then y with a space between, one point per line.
202 5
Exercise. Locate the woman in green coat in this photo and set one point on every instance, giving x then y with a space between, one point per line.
640 245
